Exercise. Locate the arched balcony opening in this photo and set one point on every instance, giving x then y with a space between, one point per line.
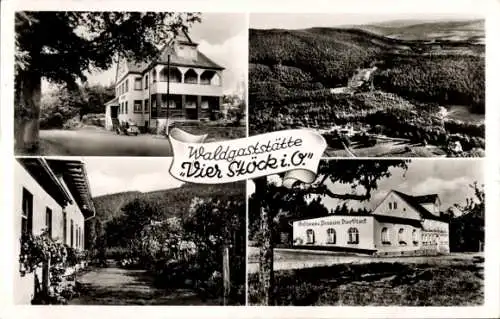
191 77
206 77
174 77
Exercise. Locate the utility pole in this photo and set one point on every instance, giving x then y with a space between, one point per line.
168 90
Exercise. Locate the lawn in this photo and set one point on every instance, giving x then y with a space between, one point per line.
447 283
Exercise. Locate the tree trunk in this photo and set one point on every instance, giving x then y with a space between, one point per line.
266 278
27 111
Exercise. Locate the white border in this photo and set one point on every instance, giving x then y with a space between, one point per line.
490 9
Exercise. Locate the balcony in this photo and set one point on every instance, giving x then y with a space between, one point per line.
187 89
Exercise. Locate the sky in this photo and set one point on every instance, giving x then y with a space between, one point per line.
450 179
308 20
108 175
223 37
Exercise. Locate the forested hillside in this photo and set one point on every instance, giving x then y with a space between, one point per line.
169 202
292 72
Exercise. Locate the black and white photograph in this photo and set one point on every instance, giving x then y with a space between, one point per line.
374 85
122 231
369 233
115 83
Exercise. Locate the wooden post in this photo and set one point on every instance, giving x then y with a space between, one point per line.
45 277
226 276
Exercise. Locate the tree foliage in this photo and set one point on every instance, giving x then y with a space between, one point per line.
62 46
467 227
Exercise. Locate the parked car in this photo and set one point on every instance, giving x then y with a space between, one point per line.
127 128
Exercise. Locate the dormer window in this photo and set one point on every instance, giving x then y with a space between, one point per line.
395 205
390 205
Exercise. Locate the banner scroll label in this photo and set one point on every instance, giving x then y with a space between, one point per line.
295 152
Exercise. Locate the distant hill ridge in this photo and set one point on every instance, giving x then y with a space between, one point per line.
174 201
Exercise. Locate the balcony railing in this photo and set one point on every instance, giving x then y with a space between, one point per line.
187 89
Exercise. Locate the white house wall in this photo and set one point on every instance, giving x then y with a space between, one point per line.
440 230
24 286
403 209
393 236
341 224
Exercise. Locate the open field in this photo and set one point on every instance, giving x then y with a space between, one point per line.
451 280
388 148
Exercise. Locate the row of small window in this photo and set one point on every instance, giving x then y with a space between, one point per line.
76 236
138 107
352 233
385 237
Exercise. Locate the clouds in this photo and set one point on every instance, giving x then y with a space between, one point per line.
450 179
232 54
109 175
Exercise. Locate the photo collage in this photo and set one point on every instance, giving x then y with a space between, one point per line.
249 159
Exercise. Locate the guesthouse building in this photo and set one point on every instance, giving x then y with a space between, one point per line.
182 84
400 225
51 196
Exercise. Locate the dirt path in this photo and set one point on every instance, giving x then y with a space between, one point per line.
117 286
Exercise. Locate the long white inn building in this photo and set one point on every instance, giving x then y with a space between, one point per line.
400 225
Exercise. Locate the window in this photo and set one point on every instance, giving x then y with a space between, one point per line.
146 106
146 80
331 236
154 76
76 235
126 107
71 238
27 213
163 103
353 235
204 105
310 236
138 84
390 205
172 104
82 239
48 221
384 236
137 106
65 228
401 237
126 85
414 236
395 205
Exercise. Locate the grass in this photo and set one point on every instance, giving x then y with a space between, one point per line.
378 284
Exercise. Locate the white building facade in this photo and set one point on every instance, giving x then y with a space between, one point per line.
193 83
400 225
51 196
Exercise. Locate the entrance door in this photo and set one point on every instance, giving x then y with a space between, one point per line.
114 111
191 108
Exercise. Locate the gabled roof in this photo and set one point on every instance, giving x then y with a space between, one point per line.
201 60
416 204
424 199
